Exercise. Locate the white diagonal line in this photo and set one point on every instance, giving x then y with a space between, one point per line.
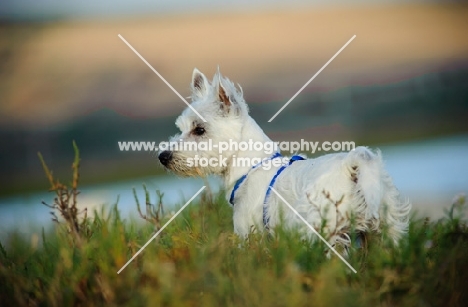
159 75
323 67
313 229
162 228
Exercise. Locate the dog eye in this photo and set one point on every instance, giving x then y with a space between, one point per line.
199 131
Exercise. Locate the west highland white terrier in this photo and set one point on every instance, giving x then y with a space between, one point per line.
348 191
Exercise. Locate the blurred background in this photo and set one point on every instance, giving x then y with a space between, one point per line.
401 86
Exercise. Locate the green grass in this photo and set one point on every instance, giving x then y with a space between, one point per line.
198 261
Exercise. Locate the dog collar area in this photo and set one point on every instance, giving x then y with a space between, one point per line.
272 182
241 179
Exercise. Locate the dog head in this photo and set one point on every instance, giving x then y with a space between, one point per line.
196 150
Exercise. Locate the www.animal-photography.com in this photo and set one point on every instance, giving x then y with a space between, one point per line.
267 153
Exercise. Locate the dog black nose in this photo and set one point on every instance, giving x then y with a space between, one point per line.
165 157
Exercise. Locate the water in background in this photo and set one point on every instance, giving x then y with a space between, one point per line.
429 172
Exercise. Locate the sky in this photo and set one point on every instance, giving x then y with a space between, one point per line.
55 9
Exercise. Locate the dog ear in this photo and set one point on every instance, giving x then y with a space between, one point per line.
199 84
223 97
229 98
226 98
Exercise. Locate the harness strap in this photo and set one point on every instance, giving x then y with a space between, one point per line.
266 218
241 179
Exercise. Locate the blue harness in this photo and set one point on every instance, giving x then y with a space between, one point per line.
266 219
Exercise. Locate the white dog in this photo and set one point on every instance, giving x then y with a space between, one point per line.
345 190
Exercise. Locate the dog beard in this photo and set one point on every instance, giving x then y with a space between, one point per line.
183 170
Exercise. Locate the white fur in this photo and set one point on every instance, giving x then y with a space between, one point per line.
336 188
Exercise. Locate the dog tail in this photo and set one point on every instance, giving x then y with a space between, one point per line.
368 167
382 199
